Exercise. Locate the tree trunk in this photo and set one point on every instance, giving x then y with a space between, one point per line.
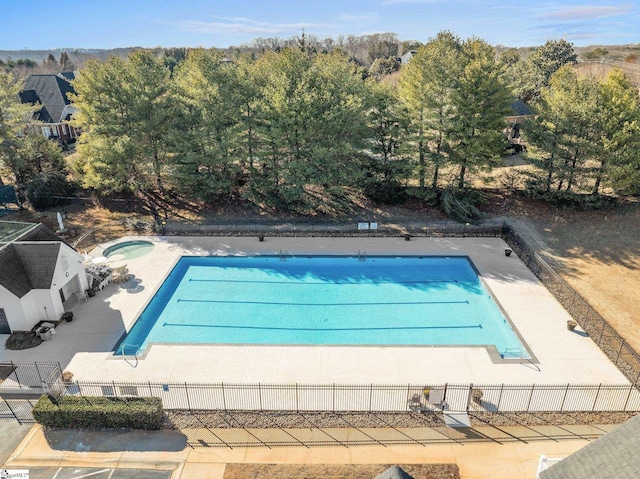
421 162
599 176
463 170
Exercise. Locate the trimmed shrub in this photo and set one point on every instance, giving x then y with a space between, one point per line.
110 412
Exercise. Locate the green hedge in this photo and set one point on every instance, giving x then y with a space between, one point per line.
86 411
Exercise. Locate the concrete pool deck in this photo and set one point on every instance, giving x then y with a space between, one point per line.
85 345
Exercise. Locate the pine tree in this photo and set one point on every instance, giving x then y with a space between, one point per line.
480 100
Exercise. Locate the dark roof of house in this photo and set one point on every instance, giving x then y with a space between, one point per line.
520 108
39 233
27 266
394 472
68 75
612 456
51 92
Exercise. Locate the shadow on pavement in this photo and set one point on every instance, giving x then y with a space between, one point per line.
108 440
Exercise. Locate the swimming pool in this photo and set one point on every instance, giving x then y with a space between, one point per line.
129 249
323 300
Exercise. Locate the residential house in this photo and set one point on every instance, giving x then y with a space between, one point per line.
52 92
39 273
406 58
612 456
520 111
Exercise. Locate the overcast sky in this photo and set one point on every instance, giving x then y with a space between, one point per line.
39 24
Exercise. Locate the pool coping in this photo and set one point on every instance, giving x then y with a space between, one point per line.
563 356
492 351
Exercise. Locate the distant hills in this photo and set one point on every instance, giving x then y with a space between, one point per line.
623 53
40 55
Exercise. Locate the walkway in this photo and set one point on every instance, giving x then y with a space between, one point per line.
170 450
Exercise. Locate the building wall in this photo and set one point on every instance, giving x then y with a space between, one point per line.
13 309
46 304
38 305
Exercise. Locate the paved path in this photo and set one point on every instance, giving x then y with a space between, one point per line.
140 452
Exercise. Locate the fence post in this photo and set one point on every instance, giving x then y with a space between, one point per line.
626 403
38 371
224 400
601 331
333 399
566 391
260 395
593 408
15 370
12 411
297 406
186 392
500 397
530 397
619 351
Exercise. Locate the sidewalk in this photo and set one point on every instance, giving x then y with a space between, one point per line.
168 450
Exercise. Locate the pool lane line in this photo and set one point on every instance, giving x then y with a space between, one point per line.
325 283
274 328
317 304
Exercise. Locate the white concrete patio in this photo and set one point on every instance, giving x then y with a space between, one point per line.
85 345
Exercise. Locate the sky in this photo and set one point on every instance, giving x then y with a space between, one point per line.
39 24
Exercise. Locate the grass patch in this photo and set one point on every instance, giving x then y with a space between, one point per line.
22 340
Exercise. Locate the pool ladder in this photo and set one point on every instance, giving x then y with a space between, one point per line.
283 255
516 353
362 256
135 354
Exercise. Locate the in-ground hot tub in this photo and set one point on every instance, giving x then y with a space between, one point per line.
129 249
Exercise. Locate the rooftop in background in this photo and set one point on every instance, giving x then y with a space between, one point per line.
51 92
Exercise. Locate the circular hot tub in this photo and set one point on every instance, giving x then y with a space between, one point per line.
129 249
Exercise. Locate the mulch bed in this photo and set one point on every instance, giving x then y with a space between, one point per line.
22 340
336 471
272 419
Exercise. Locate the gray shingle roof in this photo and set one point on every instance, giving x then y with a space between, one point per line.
613 456
394 472
40 233
520 108
50 91
27 266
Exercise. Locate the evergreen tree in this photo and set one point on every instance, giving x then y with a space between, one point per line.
618 119
124 111
65 63
426 86
15 118
386 167
537 69
480 101
564 135
206 128
311 124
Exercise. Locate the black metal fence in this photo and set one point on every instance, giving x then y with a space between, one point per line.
371 397
26 376
600 331
355 227
18 409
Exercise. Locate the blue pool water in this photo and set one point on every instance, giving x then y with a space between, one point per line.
322 300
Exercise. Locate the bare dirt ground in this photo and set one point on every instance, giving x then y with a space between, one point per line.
596 252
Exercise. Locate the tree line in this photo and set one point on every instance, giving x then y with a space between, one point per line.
299 130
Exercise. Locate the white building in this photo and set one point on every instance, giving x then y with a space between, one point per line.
38 273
